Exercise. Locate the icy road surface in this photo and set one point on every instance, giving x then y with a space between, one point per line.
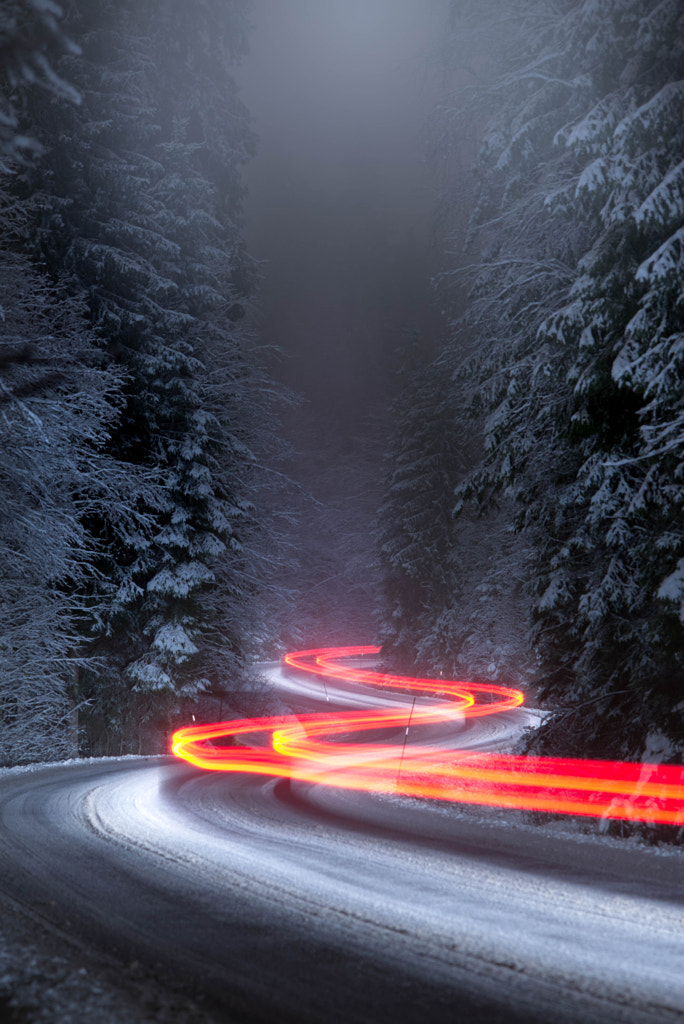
302 903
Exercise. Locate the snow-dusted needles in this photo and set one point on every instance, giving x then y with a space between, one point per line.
310 748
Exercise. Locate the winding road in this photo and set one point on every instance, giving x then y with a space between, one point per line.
284 899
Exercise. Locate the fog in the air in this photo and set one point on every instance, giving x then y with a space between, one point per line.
340 195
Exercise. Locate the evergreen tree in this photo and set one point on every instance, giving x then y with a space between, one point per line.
56 402
578 235
137 204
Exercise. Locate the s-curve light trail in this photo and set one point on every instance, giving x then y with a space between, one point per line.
319 748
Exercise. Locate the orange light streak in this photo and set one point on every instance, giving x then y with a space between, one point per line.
300 748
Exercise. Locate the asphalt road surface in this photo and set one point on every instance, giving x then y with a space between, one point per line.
274 901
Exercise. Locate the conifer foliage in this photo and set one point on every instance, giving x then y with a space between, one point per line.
56 403
134 208
578 377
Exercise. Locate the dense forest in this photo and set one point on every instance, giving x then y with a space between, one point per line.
531 528
134 410
538 470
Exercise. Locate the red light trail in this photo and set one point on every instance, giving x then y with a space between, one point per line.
316 748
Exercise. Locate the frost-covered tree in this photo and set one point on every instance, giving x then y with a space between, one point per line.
575 302
137 203
56 402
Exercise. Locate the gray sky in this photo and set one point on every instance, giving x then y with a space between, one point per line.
340 198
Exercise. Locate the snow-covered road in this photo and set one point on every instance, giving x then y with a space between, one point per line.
306 903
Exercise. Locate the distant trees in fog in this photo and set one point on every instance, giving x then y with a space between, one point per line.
566 364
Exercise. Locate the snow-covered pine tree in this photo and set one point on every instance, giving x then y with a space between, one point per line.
138 204
56 402
577 305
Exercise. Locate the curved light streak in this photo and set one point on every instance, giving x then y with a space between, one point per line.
318 748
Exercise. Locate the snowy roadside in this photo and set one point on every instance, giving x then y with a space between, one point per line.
573 828
46 977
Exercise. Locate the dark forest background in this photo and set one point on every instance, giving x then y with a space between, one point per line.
502 498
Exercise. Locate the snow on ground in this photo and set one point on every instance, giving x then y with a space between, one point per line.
44 980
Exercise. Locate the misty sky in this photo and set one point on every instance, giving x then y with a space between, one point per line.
340 197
